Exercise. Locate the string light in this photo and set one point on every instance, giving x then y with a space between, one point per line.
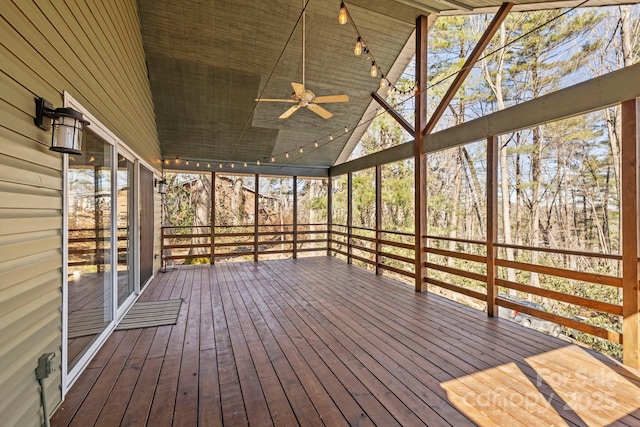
187 163
342 16
301 150
198 164
330 137
357 50
258 162
346 129
166 161
233 165
315 144
220 165
361 47
209 165
286 154
273 159
245 164
177 161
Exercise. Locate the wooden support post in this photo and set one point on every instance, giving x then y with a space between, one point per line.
212 256
492 223
349 216
295 217
630 187
378 218
329 213
255 218
420 182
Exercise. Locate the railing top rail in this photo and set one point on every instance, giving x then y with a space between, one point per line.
452 239
561 251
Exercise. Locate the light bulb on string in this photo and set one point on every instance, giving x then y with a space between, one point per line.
286 154
346 129
315 144
166 161
342 16
301 150
208 165
383 82
245 164
357 50
273 159
177 161
220 165
198 164
233 165
374 69
258 162
187 163
330 137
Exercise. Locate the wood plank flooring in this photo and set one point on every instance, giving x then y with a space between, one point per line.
315 341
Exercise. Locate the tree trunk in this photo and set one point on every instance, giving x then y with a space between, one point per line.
201 194
476 192
453 222
496 87
534 230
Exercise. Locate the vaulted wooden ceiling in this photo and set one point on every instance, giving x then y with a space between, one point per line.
209 59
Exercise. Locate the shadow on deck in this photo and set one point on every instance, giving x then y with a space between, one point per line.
315 341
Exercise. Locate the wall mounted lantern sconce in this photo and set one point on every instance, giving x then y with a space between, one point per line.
161 184
68 126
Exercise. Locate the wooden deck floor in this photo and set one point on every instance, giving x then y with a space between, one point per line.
315 341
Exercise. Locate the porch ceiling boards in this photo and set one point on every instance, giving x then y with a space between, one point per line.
209 60
276 343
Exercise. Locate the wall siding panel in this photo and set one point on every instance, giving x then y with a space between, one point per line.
93 50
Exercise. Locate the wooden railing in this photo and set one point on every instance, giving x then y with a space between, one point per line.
475 275
457 265
87 247
397 255
232 241
392 251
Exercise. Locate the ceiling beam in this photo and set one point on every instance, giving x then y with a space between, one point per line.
468 65
393 113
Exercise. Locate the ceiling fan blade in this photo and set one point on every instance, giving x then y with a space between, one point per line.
298 88
320 111
331 98
289 112
274 100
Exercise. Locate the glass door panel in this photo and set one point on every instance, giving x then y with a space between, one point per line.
126 248
90 280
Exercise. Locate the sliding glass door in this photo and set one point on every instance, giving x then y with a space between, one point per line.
89 268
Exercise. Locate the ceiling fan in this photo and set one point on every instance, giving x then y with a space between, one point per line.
301 96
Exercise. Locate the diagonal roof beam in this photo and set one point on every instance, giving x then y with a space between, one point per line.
393 113
466 68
